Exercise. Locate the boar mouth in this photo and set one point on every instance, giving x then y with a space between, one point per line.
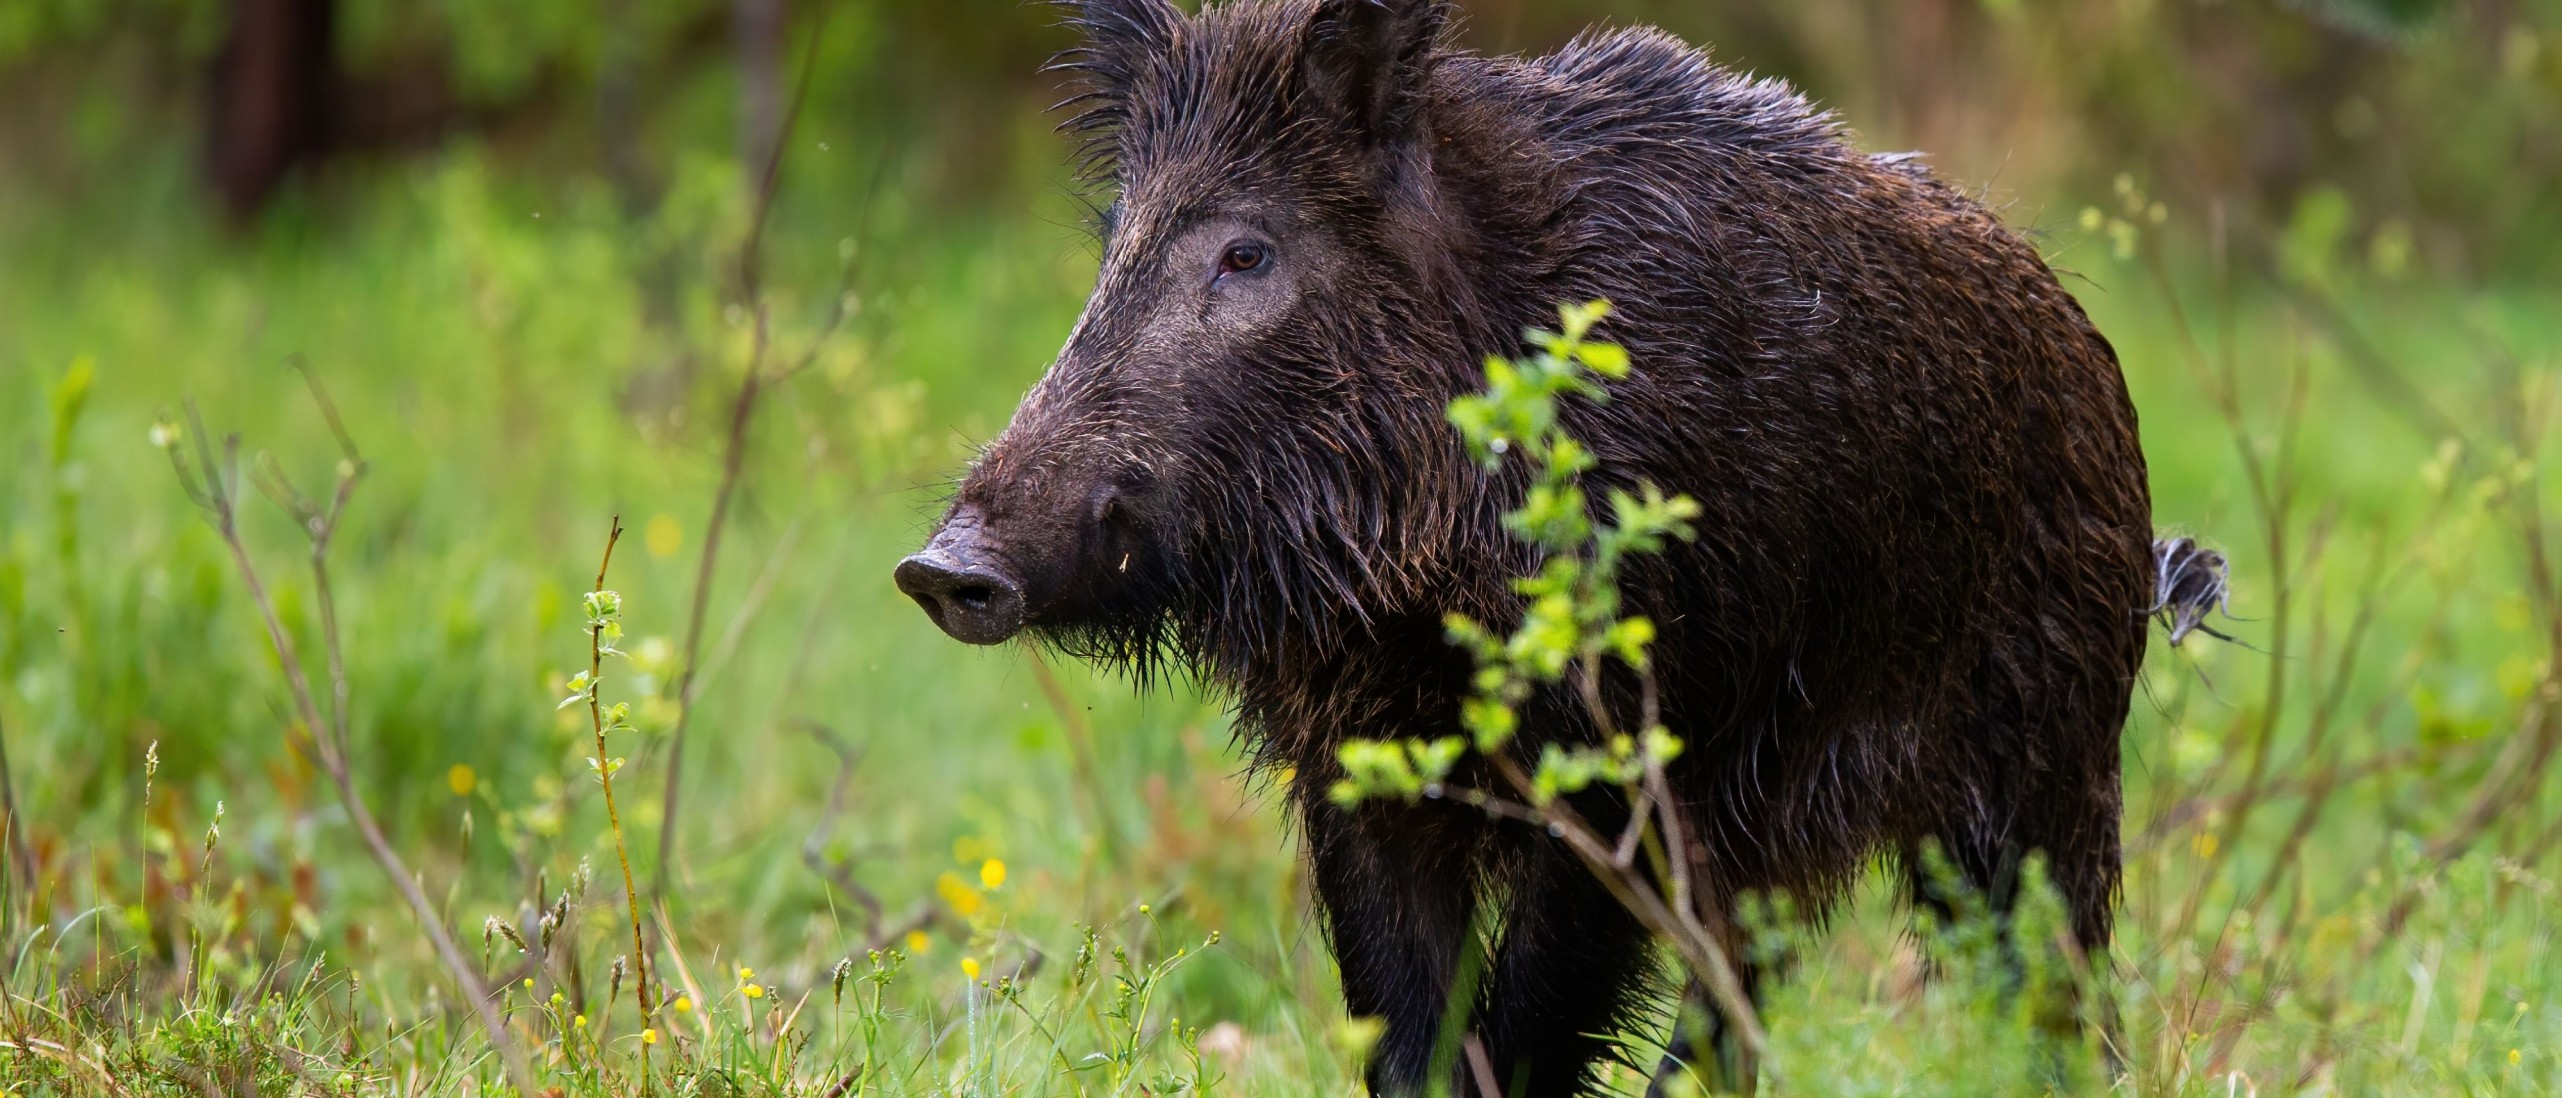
963 588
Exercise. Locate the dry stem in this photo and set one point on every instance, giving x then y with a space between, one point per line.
1676 921
758 378
326 740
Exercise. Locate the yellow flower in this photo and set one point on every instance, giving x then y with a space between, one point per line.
963 899
579 1022
649 1036
683 1005
745 974
970 967
992 874
461 780
752 991
663 536
529 983
917 942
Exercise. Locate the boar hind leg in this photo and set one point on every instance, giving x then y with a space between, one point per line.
2066 820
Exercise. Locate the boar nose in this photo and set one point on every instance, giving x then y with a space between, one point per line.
967 598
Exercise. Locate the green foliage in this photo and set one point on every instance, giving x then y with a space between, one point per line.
1136 1053
1571 616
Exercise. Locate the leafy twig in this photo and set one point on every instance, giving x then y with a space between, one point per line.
1572 627
604 629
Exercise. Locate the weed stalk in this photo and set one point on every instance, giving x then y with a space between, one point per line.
213 482
603 607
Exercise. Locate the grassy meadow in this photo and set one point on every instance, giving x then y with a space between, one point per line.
906 867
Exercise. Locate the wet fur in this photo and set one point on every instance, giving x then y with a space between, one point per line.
1917 602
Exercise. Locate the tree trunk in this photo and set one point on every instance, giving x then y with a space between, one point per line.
272 100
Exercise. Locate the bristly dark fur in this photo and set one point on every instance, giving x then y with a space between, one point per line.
1917 605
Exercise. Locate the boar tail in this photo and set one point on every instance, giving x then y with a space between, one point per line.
2190 582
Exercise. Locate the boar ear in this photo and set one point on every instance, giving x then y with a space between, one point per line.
1117 37
1367 59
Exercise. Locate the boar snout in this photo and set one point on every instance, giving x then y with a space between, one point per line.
963 587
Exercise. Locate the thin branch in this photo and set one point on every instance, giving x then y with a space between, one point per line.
733 461
751 387
1479 1067
814 845
217 491
1699 949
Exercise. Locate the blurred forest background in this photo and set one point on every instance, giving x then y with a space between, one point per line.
525 249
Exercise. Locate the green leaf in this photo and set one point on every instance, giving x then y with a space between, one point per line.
1628 640
70 396
1610 360
1661 746
1345 794
1433 759
1491 722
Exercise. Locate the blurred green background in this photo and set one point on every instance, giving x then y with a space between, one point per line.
509 238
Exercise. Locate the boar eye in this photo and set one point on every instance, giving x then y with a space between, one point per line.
1242 256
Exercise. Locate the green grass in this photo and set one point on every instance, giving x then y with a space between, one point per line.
517 380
